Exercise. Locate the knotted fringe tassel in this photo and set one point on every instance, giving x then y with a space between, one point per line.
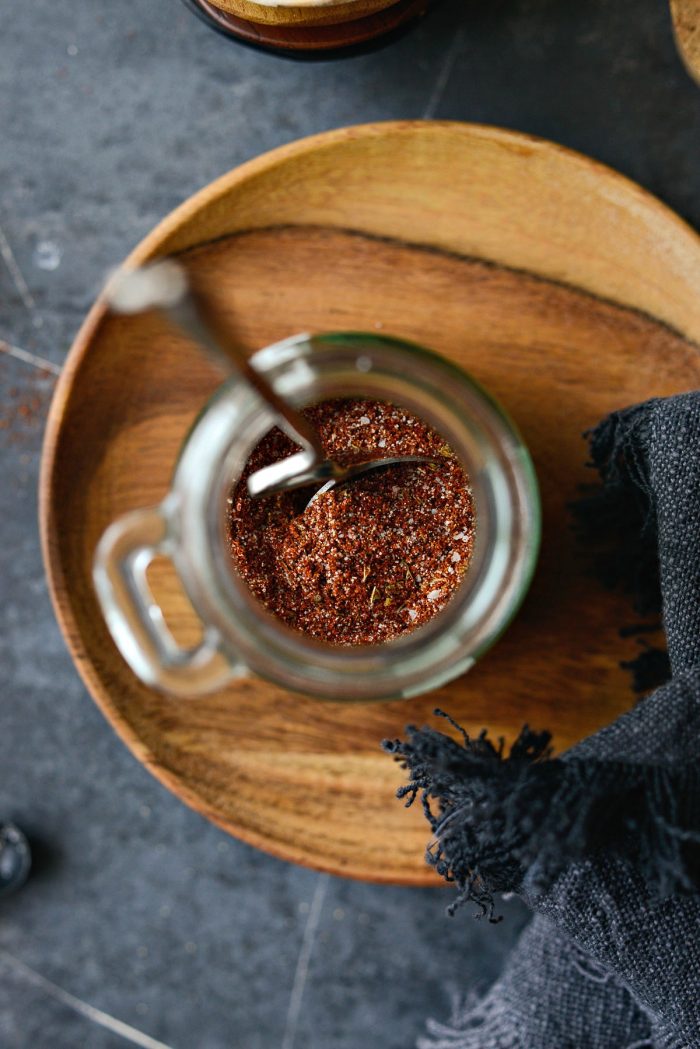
510 822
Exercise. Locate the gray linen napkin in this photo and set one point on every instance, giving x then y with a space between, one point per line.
604 842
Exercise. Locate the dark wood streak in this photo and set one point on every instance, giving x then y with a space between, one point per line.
441 252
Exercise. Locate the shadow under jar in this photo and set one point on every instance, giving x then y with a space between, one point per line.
239 635
306 27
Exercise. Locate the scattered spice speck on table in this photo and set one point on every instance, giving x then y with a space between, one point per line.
368 560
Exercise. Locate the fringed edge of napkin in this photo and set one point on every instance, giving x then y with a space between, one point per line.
504 822
616 519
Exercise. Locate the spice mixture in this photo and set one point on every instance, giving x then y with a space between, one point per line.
368 560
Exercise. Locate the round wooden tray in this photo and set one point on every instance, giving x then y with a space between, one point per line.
312 38
563 287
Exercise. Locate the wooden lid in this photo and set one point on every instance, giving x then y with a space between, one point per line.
312 32
310 13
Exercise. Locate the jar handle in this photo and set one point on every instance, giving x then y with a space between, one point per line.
136 622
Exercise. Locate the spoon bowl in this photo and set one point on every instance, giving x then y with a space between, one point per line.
278 477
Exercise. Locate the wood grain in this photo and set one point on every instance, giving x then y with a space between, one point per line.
311 29
686 26
299 777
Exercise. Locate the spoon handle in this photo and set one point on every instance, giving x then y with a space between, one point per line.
165 285
197 317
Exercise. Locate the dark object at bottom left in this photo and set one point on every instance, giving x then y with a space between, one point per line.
15 858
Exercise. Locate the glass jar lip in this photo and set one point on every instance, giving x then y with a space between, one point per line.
278 645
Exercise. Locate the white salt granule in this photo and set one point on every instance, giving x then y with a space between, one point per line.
434 595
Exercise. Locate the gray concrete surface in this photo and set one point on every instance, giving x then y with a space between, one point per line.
143 924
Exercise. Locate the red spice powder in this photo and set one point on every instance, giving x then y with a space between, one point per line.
368 560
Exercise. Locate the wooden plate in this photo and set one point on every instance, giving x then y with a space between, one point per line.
314 30
563 287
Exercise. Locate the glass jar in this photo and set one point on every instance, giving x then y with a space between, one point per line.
240 636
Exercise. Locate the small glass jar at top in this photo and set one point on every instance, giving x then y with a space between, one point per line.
240 636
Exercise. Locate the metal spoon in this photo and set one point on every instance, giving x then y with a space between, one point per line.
356 470
166 286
